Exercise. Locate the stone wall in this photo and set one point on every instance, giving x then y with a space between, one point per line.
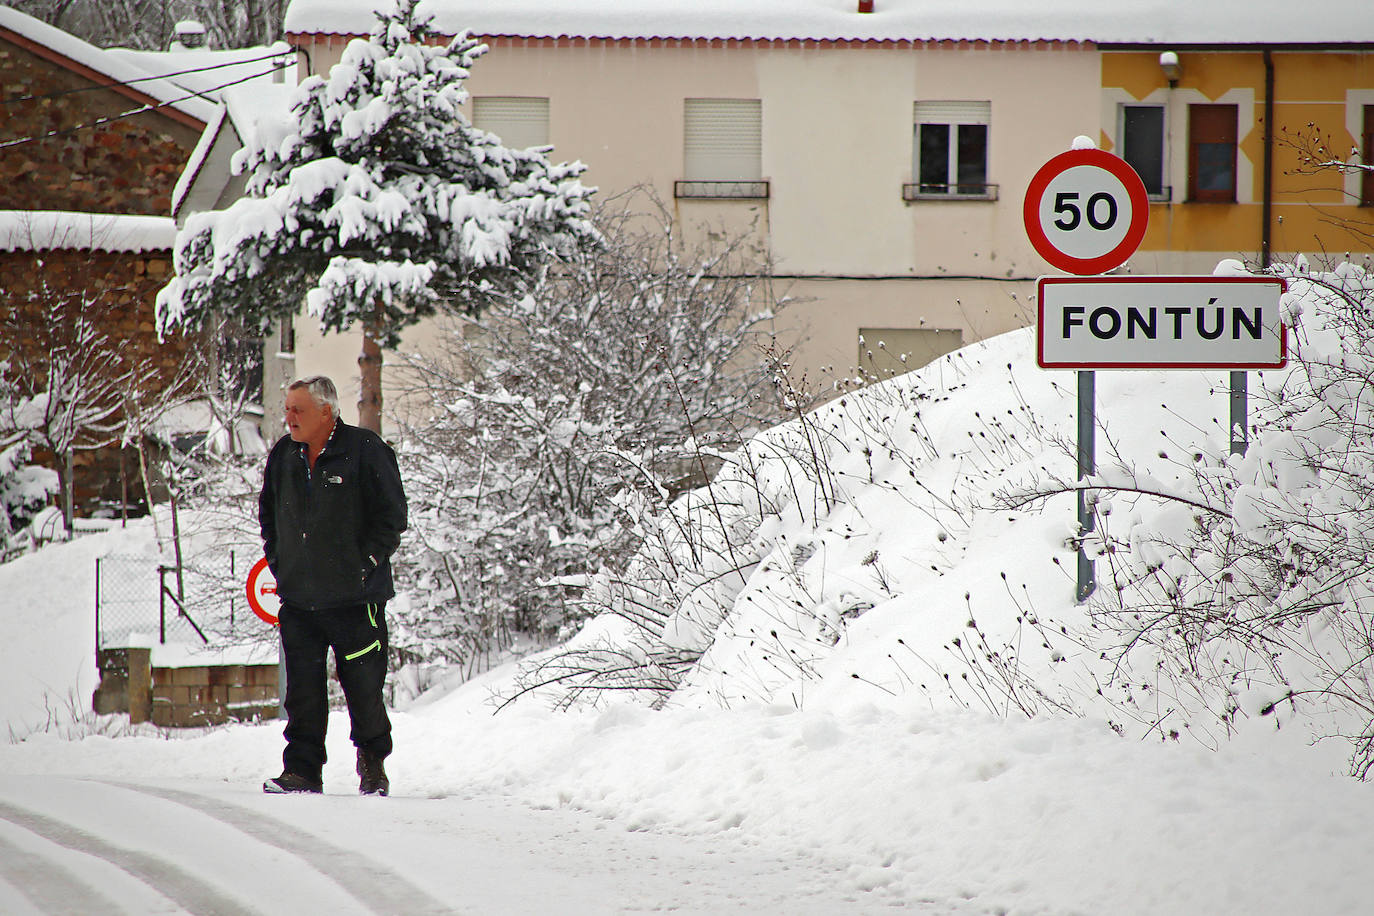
213 694
86 154
42 295
126 165
183 697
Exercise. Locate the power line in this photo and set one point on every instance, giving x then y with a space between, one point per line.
144 79
99 122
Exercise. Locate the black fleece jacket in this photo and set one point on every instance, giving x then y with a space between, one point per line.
329 532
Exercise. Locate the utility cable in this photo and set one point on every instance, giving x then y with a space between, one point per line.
143 79
100 122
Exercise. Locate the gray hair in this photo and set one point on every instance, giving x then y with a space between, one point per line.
321 388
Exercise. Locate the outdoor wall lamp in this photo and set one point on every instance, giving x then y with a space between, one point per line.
1168 62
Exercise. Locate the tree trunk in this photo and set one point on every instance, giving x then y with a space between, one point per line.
147 487
370 386
69 488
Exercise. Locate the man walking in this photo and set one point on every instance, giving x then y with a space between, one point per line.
332 510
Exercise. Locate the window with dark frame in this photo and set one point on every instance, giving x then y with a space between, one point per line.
1142 144
1212 134
951 149
1367 158
288 335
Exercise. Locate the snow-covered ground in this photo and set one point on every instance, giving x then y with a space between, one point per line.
184 846
761 810
852 779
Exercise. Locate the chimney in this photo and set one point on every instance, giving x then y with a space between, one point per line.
865 6
188 34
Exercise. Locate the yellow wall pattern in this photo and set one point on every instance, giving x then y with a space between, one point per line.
1316 92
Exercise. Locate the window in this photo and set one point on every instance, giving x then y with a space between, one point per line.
722 149
1367 158
1142 145
520 122
951 150
885 352
288 336
1212 153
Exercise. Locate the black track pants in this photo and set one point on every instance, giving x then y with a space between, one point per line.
358 638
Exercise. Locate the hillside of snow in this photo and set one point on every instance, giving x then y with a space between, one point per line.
895 678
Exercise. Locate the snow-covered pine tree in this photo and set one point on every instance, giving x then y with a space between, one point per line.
378 203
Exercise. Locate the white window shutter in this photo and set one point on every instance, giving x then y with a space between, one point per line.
723 139
953 113
520 122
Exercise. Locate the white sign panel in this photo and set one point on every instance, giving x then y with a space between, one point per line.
1160 323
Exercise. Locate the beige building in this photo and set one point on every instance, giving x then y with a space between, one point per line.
882 154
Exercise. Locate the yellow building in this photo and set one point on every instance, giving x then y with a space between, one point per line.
1227 139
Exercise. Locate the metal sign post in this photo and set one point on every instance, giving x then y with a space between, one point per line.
1240 422
1085 212
1087 466
1091 323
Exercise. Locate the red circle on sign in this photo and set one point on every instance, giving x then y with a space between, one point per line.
1119 173
260 582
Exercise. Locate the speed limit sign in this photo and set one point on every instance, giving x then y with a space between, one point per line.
1085 211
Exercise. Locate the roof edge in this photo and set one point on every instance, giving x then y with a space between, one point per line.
69 230
191 173
1237 46
296 38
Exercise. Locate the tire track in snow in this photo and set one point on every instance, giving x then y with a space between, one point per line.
188 891
371 883
51 888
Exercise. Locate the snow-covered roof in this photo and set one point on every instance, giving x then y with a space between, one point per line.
101 63
1099 21
247 110
264 110
210 72
48 230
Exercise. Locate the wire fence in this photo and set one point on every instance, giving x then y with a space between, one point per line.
140 600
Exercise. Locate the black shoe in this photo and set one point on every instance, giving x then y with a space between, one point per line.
372 775
291 783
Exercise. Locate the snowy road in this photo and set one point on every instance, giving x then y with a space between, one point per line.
84 846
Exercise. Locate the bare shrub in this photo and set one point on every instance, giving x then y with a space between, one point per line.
600 384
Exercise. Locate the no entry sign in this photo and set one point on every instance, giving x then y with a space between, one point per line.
1086 211
1160 323
261 586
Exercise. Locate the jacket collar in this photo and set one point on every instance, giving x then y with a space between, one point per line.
303 448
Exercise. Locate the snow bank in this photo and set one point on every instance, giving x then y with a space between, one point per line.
48 605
